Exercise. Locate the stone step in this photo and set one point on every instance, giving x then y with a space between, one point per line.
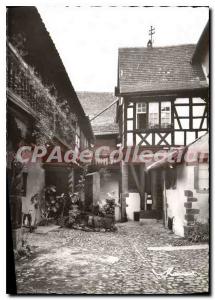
150 214
147 221
46 229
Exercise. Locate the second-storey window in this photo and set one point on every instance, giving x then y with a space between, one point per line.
153 115
141 115
165 114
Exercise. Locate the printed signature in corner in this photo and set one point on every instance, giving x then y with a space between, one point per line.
169 272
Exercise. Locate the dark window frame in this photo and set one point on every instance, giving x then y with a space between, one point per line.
159 126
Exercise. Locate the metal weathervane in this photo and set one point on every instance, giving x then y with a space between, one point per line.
151 33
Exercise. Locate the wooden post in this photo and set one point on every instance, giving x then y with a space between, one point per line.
142 186
154 189
164 199
124 189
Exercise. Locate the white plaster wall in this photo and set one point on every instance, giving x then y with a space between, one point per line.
133 204
35 184
176 200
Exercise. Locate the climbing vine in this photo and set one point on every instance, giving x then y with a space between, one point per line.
52 113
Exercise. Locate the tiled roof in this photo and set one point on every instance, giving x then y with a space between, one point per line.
159 69
93 103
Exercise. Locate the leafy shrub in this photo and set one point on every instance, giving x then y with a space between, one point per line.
199 233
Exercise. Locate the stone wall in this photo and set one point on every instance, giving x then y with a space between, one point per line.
184 204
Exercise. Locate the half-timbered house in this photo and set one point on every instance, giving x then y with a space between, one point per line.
101 109
163 105
186 182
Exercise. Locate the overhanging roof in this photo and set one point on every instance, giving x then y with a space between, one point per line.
159 69
25 23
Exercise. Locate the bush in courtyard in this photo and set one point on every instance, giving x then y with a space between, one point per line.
199 233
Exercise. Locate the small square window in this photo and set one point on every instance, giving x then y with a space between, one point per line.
141 107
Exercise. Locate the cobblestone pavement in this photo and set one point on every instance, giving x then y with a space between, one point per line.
75 262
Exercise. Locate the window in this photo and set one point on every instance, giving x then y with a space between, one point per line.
165 114
141 107
201 179
141 115
158 116
153 115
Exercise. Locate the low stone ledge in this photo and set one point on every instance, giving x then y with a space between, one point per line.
147 221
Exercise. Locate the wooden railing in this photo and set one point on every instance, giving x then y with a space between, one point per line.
23 81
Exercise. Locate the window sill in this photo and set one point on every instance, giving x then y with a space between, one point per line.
153 130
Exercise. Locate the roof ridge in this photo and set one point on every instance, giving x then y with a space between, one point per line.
158 47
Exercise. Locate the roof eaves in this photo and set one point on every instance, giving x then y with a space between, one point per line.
203 40
164 161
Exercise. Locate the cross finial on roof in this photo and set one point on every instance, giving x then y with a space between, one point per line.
151 33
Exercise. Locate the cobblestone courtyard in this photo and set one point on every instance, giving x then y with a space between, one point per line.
75 262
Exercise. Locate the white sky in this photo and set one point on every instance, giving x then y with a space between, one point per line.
88 38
